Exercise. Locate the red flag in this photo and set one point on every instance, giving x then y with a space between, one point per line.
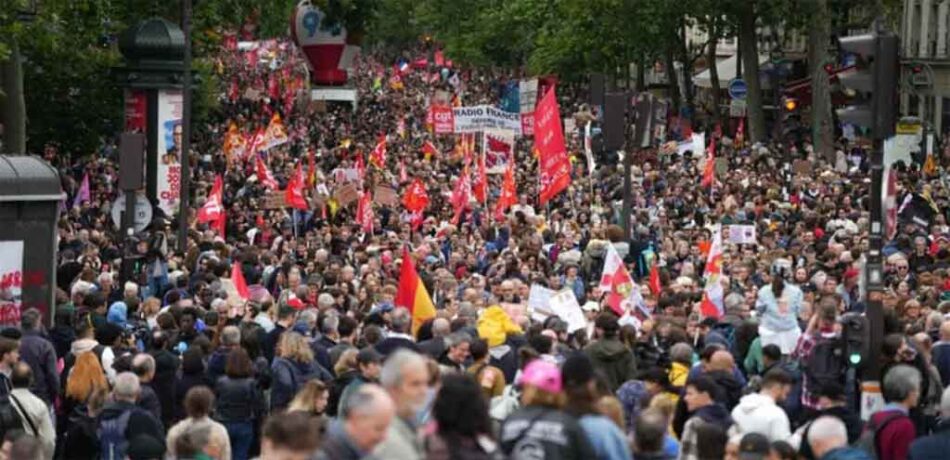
549 140
214 206
234 90
429 149
415 198
480 184
461 195
377 157
439 58
411 293
237 278
655 285
255 142
294 193
709 170
508 196
364 212
264 174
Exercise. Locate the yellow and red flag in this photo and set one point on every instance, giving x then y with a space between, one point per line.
412 294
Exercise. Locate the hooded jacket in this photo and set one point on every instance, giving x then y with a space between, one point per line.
713 413
731 387
614 359
288 377
758 413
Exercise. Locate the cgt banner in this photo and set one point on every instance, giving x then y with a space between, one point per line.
481 118
169 149
549 142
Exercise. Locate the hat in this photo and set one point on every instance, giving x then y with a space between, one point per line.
591 306
542 375
577 369
754 446
368 355
145 447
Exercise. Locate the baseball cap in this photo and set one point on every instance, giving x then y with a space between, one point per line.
542 375
754 446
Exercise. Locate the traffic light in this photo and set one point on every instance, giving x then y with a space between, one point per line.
856 332
872 83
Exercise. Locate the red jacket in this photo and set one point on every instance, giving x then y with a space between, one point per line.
894 439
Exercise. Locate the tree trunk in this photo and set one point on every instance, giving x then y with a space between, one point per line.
674 86
687 70
750 64
714 74
819 34
12 105
642 73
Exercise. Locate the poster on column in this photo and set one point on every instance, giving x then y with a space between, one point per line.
11 282
169 149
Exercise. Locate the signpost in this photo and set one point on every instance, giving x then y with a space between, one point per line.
141 215
738 89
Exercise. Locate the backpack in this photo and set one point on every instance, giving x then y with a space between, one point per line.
826 363
868 440
112 440
9 417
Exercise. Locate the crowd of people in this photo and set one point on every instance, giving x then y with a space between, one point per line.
170 361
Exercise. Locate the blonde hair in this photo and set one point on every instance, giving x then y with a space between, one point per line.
346 362
533 396
610 407
294 347
307 397
85 377
663 403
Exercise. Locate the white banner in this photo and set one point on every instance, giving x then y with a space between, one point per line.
11 282
741 234
169 149
480 118
538 300
528 94
565 305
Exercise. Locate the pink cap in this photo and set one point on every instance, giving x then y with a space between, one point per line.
542 375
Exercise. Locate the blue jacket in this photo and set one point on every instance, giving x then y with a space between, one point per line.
288 377
936 445
846 453
941 360
767 306
605 437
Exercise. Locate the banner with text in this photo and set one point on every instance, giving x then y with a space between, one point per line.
499 148
480 118
549 140
11 282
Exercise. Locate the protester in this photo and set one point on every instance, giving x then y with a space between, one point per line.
364 424
893 428
239 402
760 413
405 376
199 403
121 420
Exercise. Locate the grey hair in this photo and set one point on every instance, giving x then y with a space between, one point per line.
330 324
195 438
681 353
456 338
900 381
828 428
308 317
395 366
733 301
400 320
143 364
230 336
365 401
441 327
126 387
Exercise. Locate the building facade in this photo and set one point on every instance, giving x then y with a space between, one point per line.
925 59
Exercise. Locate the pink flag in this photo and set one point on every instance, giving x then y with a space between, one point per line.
83 193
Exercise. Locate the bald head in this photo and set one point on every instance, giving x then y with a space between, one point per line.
721 361
945 331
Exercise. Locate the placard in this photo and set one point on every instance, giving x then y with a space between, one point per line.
385 196
11 282
274 200
346 194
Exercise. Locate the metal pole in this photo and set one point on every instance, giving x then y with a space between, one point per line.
627 199
875 266
185 182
